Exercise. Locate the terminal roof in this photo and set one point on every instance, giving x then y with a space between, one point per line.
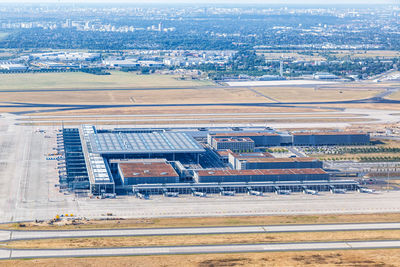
330 133
265 159
233 140
147 169
259 172
244 134
143 143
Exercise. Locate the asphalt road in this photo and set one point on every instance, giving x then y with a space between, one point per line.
25 235
48 253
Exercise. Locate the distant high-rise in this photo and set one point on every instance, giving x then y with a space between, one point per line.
68 23
160 27
281 69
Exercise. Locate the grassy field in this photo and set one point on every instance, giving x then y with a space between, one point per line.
367 54
288 94
170 96
357 156
77 80
364 258
293 54
394 96
319 55
187 96
362 86
192 240
165 119
348 156
374 106
169 110
387 257
211 221
208 95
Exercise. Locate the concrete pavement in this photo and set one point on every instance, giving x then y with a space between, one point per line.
48 253
26 235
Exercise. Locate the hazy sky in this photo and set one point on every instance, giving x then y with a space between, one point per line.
212 1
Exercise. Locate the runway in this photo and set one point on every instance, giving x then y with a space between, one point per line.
169 119
305 104
136 251
27 235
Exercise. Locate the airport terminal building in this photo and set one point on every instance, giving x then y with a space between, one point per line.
147 172
251 163
260 175
233 143
330 138
129 160
265 139
260 138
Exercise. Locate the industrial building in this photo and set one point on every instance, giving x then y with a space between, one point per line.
221 176
233 143
147 172
330 138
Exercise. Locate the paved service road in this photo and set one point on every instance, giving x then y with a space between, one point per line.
37 253
18 235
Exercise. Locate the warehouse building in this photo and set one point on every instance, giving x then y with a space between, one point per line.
223 176
330 138
233 143
251 163
147 172
259 138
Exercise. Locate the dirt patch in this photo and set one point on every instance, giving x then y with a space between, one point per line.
335 259
225 262
214 221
